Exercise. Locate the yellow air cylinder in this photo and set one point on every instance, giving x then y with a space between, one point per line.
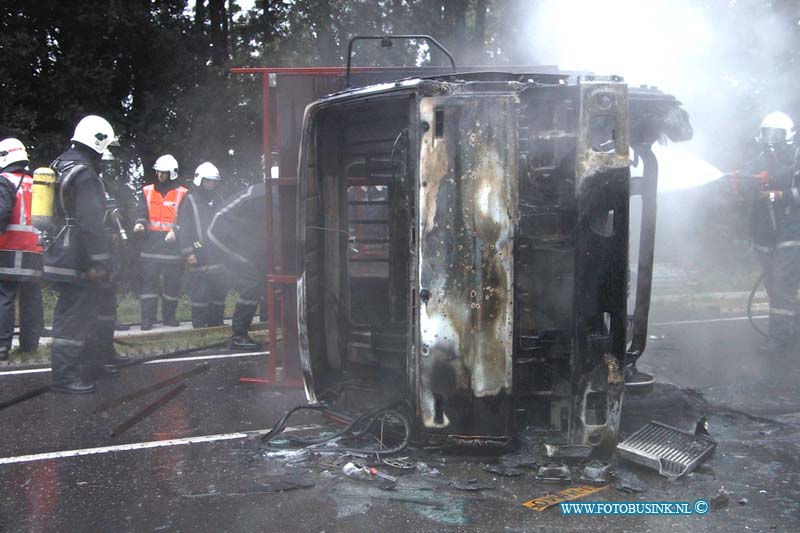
44 187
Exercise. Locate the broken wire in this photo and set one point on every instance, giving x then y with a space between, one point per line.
358 427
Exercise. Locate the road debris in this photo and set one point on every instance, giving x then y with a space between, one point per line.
366 473
567 451
427 470
670 451
546 501
628 482
554 473
470 485
721 500
400 463
502 470
597 472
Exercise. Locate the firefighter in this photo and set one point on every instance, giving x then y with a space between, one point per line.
775 227
206 286
79 263
20 252
156 215
237 232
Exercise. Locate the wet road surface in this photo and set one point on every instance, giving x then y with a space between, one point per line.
226 483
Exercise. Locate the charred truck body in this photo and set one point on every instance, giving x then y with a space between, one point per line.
463 241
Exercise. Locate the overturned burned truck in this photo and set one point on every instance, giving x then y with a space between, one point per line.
464 245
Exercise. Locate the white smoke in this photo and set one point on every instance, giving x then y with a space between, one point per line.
718 57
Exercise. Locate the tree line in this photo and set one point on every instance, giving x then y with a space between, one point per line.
159 70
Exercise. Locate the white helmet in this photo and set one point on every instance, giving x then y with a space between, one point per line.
167 163
12 151
95 132
776 128
206 171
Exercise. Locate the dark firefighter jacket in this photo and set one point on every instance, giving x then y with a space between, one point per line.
238 229
194 217
776 223
154 247
20 252
82 241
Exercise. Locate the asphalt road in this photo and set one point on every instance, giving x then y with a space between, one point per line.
153 477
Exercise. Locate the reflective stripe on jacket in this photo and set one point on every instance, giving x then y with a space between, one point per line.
162 210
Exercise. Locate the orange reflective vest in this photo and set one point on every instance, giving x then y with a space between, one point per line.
163 210
20 251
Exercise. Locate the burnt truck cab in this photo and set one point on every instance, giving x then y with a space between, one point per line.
463 242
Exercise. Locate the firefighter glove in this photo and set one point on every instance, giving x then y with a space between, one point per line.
138 227
170 237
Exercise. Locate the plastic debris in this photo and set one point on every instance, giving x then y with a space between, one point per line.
356 471
366 473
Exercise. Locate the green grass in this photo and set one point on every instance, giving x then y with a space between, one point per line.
128 308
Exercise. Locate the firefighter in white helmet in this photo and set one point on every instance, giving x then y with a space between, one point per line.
235 232
156 218
80 263
20 251
207 282
775 227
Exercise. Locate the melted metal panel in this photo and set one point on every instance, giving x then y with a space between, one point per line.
601 251
468 211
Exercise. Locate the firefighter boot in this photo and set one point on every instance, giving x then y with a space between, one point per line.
242 318
216 313
168 306
199 314
149 304
93 366
107 353
66 373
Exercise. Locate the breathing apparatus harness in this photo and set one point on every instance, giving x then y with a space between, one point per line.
66 177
